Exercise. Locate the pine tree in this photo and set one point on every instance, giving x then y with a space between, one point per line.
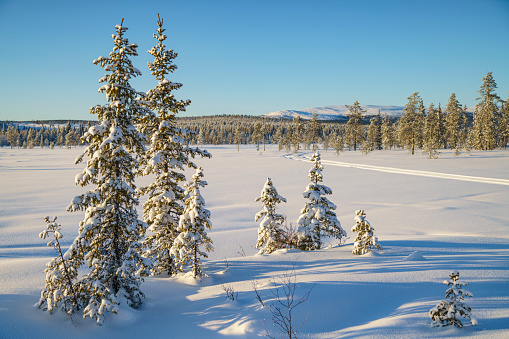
410 123
238 137
442 127
504 125
297 131
318 217
387 133
12 136
271 225
484 130
337 143
257 135
109 237
314 131
448 312
371 142
379 144
280 137
365 239
31 138
456 121
421 117
166 159
191 229
432 139
355 131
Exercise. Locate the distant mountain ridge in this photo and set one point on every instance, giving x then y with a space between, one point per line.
339 112
336 112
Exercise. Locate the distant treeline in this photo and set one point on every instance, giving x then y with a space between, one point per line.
43 133
418 128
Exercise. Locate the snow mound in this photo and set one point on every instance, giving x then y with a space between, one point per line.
240 327
371 254
188 279
415 256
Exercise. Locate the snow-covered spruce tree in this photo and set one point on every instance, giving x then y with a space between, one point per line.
410 123
318 217
191 229
448 312
166 159
365 239
456 123
61 273
388 139
109 236
504 125
484 129
379 144
257 135
431 134
297 132
337 143
355 130
271 225
372 137
314 131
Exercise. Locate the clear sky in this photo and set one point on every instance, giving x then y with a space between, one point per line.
255 57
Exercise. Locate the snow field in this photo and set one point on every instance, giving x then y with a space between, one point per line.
427 225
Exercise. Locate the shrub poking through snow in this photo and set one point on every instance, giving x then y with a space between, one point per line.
270 237
191 229
61 272
283 304
317 217
230 292
365 240
448 312
166 159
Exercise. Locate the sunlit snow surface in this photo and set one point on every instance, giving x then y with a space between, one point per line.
452 224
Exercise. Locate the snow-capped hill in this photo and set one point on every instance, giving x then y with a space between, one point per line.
337 112
290 114
340 112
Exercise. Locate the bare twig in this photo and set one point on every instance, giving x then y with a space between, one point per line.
286 301
258 294
230 292
241 252
226 264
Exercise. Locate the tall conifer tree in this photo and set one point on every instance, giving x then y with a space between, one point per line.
109 236
354 129
504 125
455 123
410 123
484 130
167 157
431 135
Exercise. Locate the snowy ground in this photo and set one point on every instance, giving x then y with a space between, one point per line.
449 210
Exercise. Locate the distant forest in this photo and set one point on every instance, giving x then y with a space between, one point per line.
419 128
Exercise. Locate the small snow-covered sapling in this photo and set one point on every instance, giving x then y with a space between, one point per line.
59 290
317 219
448 312
271 224
365 240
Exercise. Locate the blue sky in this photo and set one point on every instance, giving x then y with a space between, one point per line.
255 57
